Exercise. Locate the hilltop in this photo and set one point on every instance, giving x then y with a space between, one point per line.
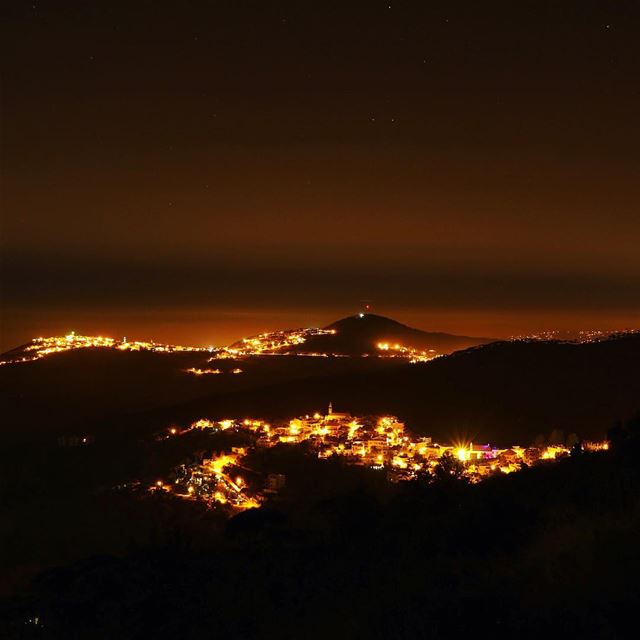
363 332
366 333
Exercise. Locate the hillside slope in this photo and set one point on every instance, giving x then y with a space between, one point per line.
79 390
507 392
360 334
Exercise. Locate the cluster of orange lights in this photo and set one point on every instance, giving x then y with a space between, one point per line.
580 337
395 350
204 372
378 442
41 347
274 343
212 482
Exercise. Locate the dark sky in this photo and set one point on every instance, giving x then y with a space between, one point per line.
194 171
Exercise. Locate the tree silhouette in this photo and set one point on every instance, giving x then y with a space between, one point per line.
540 441
556 437
449 469
625 436
572 439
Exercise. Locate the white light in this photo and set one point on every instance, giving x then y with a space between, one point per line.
361 315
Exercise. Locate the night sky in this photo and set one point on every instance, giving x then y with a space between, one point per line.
196 171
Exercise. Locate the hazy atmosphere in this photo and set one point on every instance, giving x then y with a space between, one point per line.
319 319
260 165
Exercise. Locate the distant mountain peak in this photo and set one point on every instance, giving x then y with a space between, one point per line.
361 334
369 320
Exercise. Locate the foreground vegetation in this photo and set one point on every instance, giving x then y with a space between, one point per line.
552 549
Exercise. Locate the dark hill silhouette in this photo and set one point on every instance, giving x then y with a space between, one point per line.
505 393
360 334
77 390
354 335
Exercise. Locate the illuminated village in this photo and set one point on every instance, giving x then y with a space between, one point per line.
569 337
272 343
377 442
41 347
281 342
277 343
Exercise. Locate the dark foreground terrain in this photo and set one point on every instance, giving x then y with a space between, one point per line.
550 550
87 552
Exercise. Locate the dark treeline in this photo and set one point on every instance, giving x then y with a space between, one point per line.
552 549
